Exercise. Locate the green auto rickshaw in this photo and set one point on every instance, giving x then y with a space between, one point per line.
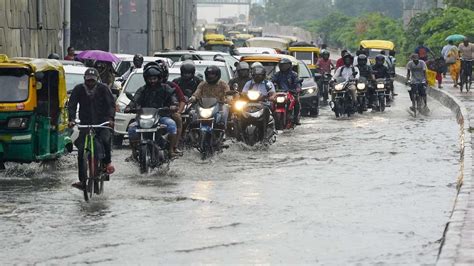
33 118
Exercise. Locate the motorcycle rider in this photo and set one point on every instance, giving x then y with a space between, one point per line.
416 70
54 56
287 80
154 94
188 82
340 61
381 71
96 107
243 76
324 64
265 87
136 64
366 72
348 72
214 87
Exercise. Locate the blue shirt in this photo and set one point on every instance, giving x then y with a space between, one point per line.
286 81
265 87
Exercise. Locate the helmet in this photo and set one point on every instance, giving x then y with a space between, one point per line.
243 66
362 59
188 67
259 70
257 64
138 60
53 56
164 69
191 48
348 59
285 61
325 52
379 59
219 57
212 70
152 70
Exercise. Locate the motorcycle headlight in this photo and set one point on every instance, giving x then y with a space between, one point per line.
339 87
380 86
205 112
281 99
309 90
361 86
18 122
146 123
253 95
239 105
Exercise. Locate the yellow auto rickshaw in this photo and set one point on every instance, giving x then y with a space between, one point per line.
375 47
306 53
219 45
278 44
33 118
214 37
240 39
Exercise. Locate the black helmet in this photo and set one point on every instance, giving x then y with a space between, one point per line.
152 70
362 59
285 61
138 60
212 70
164 69
53 56
188 67
243 66
380 59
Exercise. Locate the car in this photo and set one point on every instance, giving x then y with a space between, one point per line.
71 63
243 51
123 120
74 75
127 62
226 71
177 56
309 97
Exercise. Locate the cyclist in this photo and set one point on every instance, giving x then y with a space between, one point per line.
467 55
416 70
97 106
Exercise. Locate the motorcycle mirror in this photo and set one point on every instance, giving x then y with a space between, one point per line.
129 96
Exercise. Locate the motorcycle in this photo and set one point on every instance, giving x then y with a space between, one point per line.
362 95
153 150
324 81
252 126
342 103
186 117
380 94
207 136
283 110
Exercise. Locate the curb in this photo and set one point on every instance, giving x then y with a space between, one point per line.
450 247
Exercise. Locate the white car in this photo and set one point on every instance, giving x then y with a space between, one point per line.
226 71
127 62
74 76
243 51
123 120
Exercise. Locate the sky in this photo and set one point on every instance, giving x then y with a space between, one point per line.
210 13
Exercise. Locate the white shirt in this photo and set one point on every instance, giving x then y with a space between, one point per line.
346 72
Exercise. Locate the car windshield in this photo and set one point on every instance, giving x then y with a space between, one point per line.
304 72
224 72
13 85
134 82
173 57
73 79
123 67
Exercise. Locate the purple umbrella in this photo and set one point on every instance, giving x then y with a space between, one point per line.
99 56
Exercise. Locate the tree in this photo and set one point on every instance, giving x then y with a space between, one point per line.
257 15
468 4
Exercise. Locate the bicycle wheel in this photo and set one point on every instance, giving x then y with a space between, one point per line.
85 181
468 84
92 186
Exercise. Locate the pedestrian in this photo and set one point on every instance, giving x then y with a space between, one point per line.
70 54
455 68
444 54
422 51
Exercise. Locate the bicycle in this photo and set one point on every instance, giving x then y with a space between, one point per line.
92 165
466 74
418 102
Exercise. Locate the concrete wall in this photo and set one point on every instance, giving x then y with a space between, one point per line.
22 35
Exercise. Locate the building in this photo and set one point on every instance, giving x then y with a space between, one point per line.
413 7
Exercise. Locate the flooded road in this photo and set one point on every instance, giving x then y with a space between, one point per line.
376 188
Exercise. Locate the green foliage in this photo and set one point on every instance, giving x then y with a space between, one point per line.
467 4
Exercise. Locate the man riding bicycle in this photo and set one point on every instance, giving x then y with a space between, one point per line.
96 107
467 55
416 70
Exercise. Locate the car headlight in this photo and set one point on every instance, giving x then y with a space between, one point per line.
339 87
239 105
253 95
361 86
146 123
380 86
18 122
281 99
205 112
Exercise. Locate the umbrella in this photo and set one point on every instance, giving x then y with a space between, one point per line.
455 38
99 56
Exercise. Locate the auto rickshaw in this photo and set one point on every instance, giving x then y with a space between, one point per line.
219 45
375 47
33 118
307 53
256 31
240 39
231 34
214 37
278 44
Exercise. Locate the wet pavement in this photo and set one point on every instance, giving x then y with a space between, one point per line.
375 188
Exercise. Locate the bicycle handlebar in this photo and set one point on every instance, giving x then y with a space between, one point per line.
103 125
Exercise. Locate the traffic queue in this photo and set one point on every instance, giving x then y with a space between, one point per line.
178 100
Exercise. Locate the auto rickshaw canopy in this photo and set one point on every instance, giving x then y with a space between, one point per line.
219 42
214 37
269 42
243 36
377 44
268 58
